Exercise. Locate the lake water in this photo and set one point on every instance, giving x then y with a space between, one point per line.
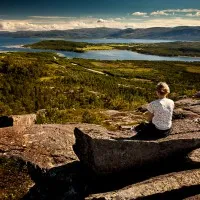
15 44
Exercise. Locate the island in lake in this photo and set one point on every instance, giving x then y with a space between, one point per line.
170 49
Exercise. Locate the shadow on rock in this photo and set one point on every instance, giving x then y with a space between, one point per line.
183 193
73 181
101 184
6 121
64 182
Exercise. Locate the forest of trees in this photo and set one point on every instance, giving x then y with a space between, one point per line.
68 91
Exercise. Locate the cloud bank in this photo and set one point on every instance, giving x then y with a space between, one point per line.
186 12
160 18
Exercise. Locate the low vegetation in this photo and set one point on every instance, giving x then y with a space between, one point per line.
64 90
191 49
15 180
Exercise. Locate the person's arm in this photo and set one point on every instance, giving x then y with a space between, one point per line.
149 116
150 112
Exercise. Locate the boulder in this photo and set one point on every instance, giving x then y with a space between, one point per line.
194 156
17 120
187 108
143 108
194 109
169 186
187 102
24 120
105 154
180 113
6 121
197 95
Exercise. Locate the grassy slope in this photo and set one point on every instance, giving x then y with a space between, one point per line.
70 91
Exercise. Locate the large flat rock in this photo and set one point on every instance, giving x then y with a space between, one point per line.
157 187
44 145
106 152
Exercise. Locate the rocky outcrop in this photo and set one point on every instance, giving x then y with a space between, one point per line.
194 156
187 108
104 155
44 153
155 188
197 95
24 120
48 159
18 120
6 121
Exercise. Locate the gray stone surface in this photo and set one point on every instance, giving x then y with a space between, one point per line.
51 162
154 186
105 153
44 145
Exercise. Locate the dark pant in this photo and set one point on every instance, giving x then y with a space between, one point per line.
148 131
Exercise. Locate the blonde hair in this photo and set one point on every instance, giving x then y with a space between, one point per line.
162 88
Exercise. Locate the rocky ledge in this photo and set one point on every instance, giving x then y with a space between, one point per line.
106 154
156 188
41 160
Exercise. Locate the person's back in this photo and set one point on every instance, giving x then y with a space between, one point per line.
162 110
160 114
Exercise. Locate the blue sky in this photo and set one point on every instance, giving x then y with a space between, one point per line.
68 14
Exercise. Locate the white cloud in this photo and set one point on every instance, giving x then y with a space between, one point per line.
101 21
188 12
197 14
170 12
118 19
163 13
171 22
181 10
74 23
139 14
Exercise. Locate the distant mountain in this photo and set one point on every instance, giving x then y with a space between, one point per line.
70 34
176 33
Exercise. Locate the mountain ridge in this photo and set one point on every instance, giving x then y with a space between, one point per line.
168 33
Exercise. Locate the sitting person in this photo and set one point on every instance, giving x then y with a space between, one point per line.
159 116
